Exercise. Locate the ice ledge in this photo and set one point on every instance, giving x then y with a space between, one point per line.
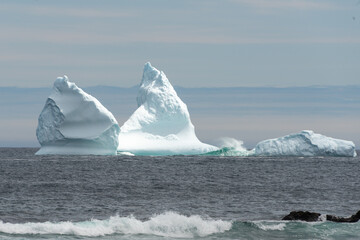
305 143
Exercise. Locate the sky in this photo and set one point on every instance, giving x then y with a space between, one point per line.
197 43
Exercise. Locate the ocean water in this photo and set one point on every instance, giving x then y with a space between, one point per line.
174 197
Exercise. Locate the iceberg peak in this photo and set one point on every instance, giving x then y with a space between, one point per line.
148 66
64 78
154 84
61 83
308 132
149 74
161 125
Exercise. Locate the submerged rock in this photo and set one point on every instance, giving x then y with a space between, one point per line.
353 218
302 216
315 217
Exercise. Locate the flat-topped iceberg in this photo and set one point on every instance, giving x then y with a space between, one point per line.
305 143
161 124
74 122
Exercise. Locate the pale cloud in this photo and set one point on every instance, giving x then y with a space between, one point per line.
286 4
42 10
67 59
160 35
115 32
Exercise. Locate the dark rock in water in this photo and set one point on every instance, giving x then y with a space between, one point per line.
353 218
314 217
303 216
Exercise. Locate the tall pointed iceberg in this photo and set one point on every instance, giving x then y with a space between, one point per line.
74 122
161 125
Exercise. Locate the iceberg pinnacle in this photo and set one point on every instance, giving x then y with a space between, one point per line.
161 125
305 143
74 122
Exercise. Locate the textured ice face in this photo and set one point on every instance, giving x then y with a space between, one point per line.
160 111
161 125
74 122
305 143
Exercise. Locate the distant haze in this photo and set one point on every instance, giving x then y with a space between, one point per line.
247 114
203 43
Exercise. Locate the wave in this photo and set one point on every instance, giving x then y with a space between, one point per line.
168 224
230 147
174 225
230 152
270 225
267 229
124 153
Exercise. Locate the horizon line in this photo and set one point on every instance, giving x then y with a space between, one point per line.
202 87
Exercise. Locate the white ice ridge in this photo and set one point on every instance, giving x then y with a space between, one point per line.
74 122
305 143
161 125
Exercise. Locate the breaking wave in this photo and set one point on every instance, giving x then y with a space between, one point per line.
229 152
174 225
230 147
168 224
270 226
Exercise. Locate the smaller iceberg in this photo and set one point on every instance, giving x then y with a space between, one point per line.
305 143
74 122
161 124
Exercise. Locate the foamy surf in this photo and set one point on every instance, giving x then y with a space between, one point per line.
230 147
125 153
270 225
171 225
168 224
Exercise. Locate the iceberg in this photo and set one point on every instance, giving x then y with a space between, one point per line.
74 122
161 124
305 143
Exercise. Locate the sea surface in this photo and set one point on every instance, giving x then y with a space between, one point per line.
174 197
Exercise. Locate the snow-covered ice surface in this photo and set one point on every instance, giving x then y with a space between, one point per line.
305 143
161 125
74 122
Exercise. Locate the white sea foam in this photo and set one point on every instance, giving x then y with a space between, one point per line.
231 142
230 147
168 224
270 226
125 153
322 218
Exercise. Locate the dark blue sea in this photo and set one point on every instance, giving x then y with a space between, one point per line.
174 197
